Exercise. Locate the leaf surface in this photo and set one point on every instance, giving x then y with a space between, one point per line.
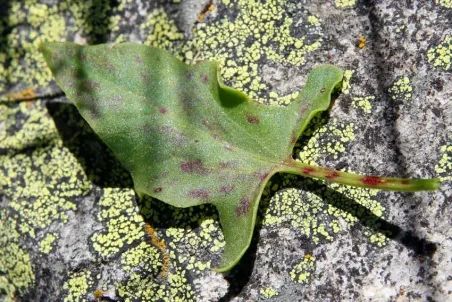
186 138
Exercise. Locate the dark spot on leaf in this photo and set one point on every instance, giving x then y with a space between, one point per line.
228 147
158 190
90 86
91 105
303 110
189 75
227 189
138 59
207 124
322 90
215 136
228 164
145 77
199 194
405 182
173 135
204 78
294 140
308 171
261 176
244 207
252 119
194 166
163 110
371 180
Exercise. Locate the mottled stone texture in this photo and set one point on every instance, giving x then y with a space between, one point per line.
72 228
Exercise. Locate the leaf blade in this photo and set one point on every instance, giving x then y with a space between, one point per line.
186 138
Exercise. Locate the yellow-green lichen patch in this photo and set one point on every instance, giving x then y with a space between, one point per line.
123 224
15 266
162 31
444 167
301 273
144 288
344 3
23 63
327 139
38 176
363 103
93 19
143 257
268 292
260 31
401 89
47 243
346 81
441 55
357 205
77 286
444 3
206 235
303 210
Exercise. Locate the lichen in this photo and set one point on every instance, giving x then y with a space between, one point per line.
441 55
17 275
401 89
302 272
46 244
266 24
444 3
363 103
268 292
344 3
444 167
77 286
123 224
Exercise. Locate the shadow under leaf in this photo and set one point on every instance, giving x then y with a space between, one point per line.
96 159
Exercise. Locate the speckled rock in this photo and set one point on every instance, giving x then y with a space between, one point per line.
73 229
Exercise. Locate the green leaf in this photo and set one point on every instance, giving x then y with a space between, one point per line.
187 139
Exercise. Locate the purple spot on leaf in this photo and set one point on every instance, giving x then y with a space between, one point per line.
195 167
201 194
227 189
90 86
158 190
243 208
252 119
204 78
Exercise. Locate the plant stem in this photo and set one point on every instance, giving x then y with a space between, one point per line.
351 179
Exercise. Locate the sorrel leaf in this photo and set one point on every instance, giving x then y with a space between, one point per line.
187 139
